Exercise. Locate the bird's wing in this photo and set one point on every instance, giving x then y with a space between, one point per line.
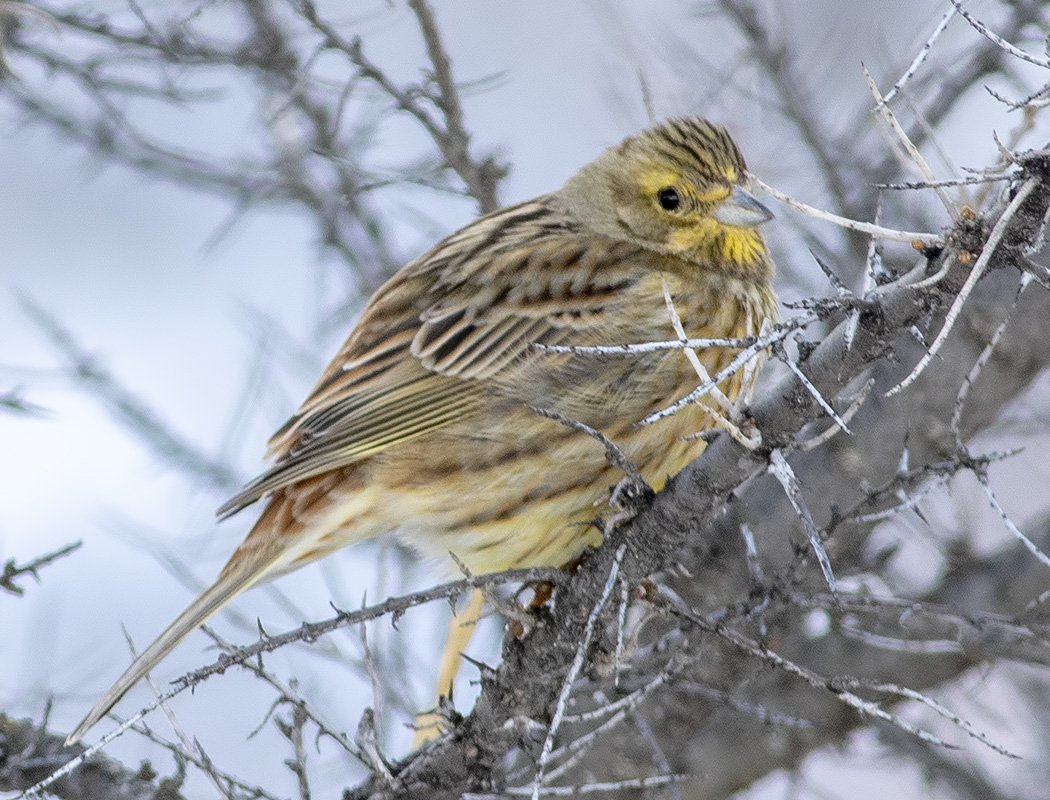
437 337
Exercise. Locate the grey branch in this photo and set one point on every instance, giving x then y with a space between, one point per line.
684 524
12 570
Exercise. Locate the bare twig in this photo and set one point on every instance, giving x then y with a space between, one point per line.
481 178
12 570
839 421
782 471
909 146
976 272
293 731
393 608
450 135
200 760
815 680
613 454
289 694
779 333
964 390
1031 546
971 181
615 712
920 57
997 40
852 224
647 347
574 670
929 702
586 788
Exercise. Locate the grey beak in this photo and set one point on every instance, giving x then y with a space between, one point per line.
742 210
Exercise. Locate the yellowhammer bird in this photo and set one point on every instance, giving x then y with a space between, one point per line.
425 422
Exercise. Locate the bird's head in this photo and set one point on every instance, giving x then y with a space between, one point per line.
678 188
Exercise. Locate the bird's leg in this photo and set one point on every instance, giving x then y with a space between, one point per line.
460 628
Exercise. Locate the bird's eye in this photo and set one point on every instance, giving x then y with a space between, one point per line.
668 198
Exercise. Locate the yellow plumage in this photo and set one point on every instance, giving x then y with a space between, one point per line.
425 420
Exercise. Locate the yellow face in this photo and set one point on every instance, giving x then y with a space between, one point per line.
680 189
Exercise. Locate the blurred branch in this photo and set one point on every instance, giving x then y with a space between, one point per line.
481 178
313 158
12 571
318 127
13 402
225 783
776 60
28 753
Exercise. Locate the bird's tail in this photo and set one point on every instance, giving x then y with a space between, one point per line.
248 566
301 523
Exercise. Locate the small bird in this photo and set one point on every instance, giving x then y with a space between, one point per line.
425 422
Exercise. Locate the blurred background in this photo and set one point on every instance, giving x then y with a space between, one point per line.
157 324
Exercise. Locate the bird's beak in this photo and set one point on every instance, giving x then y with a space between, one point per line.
742 210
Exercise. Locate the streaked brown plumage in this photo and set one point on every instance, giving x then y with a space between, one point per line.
424 422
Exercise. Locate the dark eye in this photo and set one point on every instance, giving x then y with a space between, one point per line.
668 197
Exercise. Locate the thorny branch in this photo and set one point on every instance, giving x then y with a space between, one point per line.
694 502
307 632
393 608
846 169
12 571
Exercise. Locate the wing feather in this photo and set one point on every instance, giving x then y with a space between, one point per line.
466 311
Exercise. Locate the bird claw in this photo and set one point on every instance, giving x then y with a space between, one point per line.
629 497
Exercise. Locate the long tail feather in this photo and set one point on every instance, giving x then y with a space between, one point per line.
296 527
234 579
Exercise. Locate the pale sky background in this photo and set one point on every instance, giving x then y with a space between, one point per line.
121 260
